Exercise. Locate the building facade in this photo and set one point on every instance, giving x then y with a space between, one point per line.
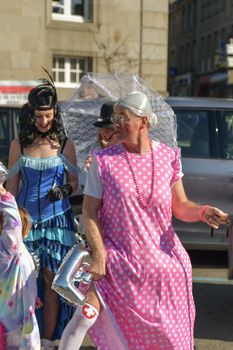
72 37
200 52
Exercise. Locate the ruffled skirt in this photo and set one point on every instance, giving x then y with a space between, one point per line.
50 241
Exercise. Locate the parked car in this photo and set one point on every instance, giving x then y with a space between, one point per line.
9 123
205 136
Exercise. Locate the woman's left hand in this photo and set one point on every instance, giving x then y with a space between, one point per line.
98 265
215 217
88 162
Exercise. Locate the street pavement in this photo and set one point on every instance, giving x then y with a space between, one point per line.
214 320
87 344
213 294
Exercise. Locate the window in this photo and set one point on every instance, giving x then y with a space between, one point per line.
8 130
67 72
203 54
72 10
181 58
187 57
183 19
189 24
173 24
193 55
225 124
209 52
193 133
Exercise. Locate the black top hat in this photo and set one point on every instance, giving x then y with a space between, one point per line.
104 120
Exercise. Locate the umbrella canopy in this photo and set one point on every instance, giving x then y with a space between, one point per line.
82 109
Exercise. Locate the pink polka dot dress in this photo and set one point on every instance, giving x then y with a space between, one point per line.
147 292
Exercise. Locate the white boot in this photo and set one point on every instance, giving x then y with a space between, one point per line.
47 344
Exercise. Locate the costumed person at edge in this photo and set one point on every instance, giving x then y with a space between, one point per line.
106 135
45 160
18 291
141 296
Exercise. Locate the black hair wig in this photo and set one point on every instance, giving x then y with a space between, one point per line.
28 130
42 97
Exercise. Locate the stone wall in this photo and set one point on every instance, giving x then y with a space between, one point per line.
125 36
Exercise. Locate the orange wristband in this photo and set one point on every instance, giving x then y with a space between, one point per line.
202 212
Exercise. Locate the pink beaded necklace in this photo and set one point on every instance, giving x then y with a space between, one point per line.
140 201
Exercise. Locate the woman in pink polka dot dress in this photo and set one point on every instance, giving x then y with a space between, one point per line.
142 274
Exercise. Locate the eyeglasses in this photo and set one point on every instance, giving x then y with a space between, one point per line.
119 119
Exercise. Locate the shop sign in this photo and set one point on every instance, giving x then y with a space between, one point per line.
219 77
230 61
14 92
172 71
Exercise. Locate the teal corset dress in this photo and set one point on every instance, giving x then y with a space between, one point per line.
53 228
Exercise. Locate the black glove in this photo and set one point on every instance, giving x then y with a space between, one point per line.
59 192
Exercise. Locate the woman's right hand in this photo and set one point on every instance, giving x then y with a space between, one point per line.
2 190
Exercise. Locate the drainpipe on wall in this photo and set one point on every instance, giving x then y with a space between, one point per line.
140 38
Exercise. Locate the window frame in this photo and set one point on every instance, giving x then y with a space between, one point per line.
67 16
88 62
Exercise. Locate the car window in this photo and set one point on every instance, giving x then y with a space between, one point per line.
225 126
9 117
5 138
193 133
4 129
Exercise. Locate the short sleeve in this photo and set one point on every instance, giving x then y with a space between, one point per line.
176 166
12 226
93 186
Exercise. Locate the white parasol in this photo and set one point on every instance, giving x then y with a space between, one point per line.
83 108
